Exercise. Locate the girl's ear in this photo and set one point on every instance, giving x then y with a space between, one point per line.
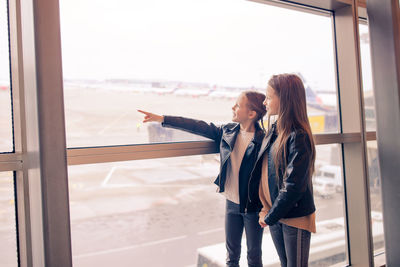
252 114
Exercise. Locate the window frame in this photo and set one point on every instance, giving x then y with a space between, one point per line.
27 77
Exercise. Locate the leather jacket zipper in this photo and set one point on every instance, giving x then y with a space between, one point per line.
248 185
223 163
251 175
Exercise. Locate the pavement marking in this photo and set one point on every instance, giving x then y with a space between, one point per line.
108 251
112 123
108 177
210 231
106 181
152 185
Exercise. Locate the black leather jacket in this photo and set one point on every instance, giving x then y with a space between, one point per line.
225 137
291 196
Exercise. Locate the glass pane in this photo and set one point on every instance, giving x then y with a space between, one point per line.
372 150
165 212
376 197
328 245
146 212
8 236
184 57
6 142
369 104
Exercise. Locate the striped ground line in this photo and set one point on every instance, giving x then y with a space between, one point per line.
152 243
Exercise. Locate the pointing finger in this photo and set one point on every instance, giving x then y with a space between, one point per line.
144 112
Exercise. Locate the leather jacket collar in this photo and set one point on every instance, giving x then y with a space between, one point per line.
267 140
231 134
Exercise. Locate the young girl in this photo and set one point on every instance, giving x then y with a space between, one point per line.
239 144
288 156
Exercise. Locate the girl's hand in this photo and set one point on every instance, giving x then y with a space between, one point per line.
261 222
151 117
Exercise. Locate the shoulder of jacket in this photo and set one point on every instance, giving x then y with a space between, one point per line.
296 133
229 126
299 140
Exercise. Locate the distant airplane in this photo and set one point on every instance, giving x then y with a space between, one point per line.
163 91
325 101
225 94
193 92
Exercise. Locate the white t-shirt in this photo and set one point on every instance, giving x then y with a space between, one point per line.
232 173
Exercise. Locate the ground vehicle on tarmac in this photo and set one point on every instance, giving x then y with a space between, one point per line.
329 174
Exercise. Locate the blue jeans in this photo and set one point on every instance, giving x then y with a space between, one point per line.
234 224
292 244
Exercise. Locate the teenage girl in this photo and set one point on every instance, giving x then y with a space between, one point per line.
287 163
239 144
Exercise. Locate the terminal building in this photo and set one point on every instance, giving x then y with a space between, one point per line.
84 182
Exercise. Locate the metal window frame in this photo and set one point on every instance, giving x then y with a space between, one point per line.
90 155
384 33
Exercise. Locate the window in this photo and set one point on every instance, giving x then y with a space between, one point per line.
372 146
6 142
369 104
165 212
328 196
189 58
376 197
8 242
145 213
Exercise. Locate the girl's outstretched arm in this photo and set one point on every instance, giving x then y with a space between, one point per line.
198 127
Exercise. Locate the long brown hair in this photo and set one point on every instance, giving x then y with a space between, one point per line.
292 115
255 102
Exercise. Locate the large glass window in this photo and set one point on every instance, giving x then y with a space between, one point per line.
376 197
184 57
165 212
8 242
145 213
372 146
369 103
6 143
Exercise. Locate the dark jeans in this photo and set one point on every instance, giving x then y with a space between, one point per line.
292 244
234 224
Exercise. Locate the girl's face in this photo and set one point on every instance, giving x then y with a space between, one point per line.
271 102
241 112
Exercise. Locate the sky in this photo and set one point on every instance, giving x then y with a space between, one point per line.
223 42
4 60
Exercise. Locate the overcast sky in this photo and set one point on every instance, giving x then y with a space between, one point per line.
226 42
4 61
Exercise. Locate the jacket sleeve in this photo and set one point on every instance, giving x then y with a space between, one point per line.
198 127
296 181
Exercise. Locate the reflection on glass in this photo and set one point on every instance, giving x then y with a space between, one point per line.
145 213
184 57
6 143
8 236
369 104
376 198
328 244
372 149
165 212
